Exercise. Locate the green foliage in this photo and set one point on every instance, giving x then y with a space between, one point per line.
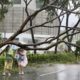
51 57
2 12
62 4
5 1
0 37
2 58
78 42
77 51
59 3
4 8
46 58
42 59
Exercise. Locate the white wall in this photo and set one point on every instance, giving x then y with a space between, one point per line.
32 5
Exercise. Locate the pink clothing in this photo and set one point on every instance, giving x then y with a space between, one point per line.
23 62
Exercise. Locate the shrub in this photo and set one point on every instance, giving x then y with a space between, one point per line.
46 58
77 51
55 58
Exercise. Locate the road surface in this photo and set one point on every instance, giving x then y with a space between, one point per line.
48 72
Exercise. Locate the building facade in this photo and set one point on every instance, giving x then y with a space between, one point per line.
16 16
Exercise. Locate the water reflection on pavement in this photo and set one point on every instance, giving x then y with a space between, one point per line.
20 77
26 76
69 72
54 72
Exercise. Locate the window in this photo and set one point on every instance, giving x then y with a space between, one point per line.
17 1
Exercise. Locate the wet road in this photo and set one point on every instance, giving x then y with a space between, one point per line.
48 72
62 72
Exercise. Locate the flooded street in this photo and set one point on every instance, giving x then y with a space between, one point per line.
48 72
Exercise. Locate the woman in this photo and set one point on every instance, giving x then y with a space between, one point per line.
21 59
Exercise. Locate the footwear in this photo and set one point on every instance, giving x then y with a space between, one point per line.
4 74
9 74
21 72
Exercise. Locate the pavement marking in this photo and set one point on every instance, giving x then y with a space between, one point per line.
51 73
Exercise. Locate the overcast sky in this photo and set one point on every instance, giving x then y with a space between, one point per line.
72 20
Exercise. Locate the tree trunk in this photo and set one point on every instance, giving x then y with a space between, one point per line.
67 33
32 34
56 47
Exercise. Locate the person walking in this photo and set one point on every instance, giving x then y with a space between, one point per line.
21 60
8 60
